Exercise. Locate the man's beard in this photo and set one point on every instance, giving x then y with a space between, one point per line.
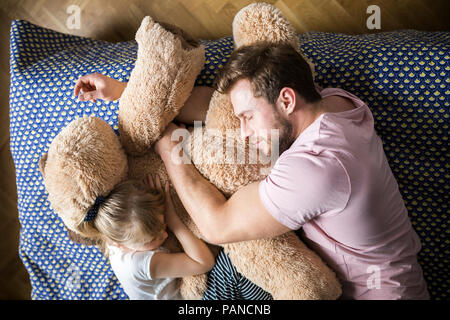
286 137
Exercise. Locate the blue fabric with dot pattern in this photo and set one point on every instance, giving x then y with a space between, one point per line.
403 76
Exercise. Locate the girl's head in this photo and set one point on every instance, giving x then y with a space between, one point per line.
131 217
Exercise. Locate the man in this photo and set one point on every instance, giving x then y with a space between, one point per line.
332 178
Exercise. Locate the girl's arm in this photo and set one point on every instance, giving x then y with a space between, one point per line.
196 258
98 86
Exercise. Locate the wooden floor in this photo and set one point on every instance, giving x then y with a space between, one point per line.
118 20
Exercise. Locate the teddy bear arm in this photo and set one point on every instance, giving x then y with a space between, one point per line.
161 81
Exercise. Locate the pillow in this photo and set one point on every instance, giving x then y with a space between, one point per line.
401 75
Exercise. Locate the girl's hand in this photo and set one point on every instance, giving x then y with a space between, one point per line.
171 217
98 86
149 183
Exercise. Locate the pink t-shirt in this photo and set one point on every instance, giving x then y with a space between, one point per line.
335 183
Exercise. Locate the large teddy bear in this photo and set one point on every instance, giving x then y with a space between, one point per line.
87 159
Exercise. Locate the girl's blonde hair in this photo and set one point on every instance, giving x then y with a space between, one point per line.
129 212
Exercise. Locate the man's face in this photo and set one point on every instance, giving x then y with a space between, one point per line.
258 117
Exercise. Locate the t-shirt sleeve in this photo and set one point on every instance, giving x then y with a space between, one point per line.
300 188
140 264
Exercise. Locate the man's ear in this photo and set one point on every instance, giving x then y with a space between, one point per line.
42 162
287 101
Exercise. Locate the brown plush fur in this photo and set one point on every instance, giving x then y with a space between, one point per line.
86 160
260 22
159 84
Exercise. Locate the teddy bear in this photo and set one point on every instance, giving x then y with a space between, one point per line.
87 159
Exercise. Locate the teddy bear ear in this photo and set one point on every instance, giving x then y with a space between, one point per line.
262 22
42 162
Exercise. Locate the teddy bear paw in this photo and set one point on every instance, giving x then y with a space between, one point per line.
142 35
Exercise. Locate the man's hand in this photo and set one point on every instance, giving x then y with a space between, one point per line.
98 86
166 143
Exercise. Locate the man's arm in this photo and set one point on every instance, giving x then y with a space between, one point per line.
196 106
242 217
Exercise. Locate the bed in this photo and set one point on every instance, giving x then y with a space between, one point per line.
403 76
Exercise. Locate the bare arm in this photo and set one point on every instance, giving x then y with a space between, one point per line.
196 258
196 106
240 218
98 86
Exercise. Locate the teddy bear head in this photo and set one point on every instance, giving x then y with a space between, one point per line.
84 161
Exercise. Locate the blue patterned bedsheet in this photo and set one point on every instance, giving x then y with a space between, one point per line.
403 76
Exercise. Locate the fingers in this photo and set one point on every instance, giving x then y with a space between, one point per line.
167 187
150 182
78 86
154 182
168 195
88 85
90 95
84 83
85 87
158 183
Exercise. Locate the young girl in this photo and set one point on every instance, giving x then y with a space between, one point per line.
132 222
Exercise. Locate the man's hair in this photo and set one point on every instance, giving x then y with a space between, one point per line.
269 68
